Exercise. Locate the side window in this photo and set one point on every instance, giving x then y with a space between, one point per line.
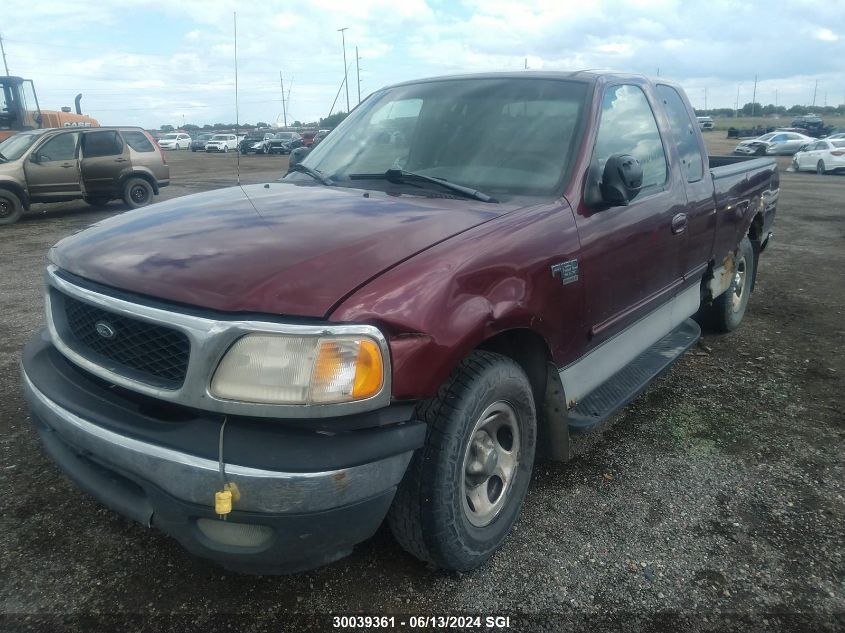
138 141
628 127
682 129
778 138
61 147
95 144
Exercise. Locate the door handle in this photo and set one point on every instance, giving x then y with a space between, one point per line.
120 160
679 223
66 165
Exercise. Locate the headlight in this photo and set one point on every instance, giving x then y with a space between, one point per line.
280 369
255 146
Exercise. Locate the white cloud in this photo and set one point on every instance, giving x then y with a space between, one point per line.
826 35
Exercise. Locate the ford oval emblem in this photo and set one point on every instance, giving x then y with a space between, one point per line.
104 329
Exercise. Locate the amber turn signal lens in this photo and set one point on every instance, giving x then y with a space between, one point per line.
369 371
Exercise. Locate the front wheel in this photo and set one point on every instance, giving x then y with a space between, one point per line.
726 312
137 192
11 208
225 149
464 488
820 168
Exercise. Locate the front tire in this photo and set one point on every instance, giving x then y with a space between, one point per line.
727 310
137 193
820 170
465 487
225 149
11 208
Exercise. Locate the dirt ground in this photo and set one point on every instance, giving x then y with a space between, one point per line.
714 501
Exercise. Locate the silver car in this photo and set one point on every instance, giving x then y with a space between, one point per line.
774 143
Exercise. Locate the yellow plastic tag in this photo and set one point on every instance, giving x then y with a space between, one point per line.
223 502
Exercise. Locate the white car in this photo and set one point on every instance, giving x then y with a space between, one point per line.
222 143
821 157
705 123
177 140
774 143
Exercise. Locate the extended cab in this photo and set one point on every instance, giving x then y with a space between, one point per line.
400 325
96 165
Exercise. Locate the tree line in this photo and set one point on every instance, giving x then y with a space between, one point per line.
758 109
326 122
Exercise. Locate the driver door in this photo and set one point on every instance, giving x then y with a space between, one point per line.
52 169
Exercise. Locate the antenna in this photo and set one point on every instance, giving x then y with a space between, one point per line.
358 70
237 116
3 50
284 108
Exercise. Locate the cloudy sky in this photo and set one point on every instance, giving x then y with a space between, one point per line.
151 62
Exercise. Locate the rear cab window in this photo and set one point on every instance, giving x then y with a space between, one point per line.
681 125
137 140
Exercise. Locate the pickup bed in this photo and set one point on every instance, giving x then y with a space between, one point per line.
467 271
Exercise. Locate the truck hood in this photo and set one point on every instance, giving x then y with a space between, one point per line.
278 248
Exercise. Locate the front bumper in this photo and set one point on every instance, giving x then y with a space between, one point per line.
286 520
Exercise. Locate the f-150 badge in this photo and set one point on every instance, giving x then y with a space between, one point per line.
567 271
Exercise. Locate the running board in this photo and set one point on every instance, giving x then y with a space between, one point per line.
632 380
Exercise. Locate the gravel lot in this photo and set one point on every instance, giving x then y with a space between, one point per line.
714 501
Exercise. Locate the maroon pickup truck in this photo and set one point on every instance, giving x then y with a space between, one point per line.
465 273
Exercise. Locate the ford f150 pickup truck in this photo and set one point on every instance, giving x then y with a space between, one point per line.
467 271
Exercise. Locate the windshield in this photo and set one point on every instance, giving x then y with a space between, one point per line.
766 137
15 146
285 136
219 137
502 136
169 137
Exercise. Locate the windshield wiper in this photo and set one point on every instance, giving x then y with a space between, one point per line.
316 175
400 176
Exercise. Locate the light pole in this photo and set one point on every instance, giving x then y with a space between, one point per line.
345 76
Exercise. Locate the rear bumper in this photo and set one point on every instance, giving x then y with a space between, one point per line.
285 520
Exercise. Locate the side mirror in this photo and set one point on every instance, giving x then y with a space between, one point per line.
621 180
297 156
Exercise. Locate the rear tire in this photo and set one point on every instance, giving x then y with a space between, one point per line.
137 193
820 168
727 310
11 208
464 488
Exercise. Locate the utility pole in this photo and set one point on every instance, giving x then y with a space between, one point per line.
705 97
345 72
284 107
526 63
358 71
737 100
814 92
754 95
3 49
776 97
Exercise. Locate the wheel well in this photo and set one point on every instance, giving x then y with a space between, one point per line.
18 191
140 174
530 351
755 235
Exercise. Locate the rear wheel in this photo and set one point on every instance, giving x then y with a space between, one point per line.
464 489
137 192
820 168
11 208
727 310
